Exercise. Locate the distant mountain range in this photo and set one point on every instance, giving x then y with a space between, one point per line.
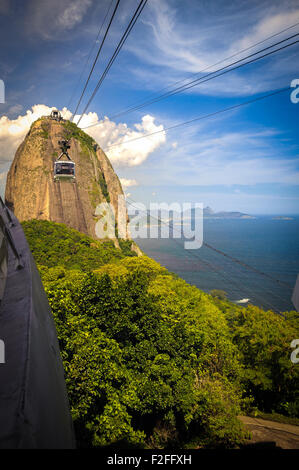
210 214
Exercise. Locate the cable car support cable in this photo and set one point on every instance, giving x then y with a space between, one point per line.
96 58
170 86
206 78
115 54
89 55
221 271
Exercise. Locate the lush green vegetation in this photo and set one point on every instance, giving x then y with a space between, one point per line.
151 361
263 339
56 245
74 131
219 294
45 130
104 188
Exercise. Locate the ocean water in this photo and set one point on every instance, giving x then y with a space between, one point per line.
271 246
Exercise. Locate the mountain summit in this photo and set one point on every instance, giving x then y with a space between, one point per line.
32 193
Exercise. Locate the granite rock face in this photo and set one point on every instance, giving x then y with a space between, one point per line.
32 193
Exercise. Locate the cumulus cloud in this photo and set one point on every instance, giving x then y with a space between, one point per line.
13 131
126 183
107 133
115 138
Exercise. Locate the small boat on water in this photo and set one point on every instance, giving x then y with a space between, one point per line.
242 301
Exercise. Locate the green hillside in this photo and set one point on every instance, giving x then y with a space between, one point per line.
151 361
55 244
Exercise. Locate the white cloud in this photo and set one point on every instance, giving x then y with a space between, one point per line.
73 13
13 131
268 26
107 133
250 172
17 108
192 44
242 158
126 183
51 18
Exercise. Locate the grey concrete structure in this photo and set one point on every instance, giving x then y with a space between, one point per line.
34 408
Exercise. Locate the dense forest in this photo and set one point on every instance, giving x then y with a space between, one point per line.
151 361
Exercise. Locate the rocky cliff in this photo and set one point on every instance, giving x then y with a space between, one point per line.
32 193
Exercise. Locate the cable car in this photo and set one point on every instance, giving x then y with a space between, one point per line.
64 170
55 114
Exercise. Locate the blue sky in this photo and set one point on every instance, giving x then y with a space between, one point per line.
246 159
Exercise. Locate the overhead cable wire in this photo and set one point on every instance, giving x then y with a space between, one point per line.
156 94
240 262
247 266
213 266
203 117
210 76
96 58
234 260
115 54
267 289
221 271
89 55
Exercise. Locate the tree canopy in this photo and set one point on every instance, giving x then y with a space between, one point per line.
151 361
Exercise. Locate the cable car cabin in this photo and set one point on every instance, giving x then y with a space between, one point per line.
64 171
56 115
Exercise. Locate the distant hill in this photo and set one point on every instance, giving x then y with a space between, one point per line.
282 217
209 213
